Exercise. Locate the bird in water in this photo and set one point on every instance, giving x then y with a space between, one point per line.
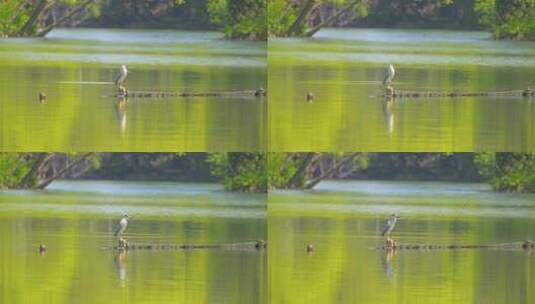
390 223
42 97
390 72
121 227
120 78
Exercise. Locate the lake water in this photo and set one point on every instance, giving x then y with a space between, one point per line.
343 69
343 220
75 68
75 220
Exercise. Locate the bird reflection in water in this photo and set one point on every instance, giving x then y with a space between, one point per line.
119 263
386 262
121 112
388 114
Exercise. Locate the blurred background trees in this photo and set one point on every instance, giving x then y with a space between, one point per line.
257 19
508 19
511 19
258 172
513 172
238 19
23 18
306 17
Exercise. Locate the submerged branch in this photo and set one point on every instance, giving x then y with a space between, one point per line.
149 94
390 92
526 245
253 245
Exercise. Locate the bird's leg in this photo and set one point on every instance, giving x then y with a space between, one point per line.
389 91
122 243
121 90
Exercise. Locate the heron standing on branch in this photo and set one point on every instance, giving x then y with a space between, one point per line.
389 74
120 78
122 226
389 226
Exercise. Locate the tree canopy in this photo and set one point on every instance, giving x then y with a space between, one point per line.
513 172
38 17
238 19
258 172
509 19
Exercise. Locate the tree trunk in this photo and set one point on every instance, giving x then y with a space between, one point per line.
40 159
18 10
64 18
298 176
316 180
307 8
44 183
331 19
33 18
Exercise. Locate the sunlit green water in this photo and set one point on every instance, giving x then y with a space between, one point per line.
76 219
343 69
343 221
75 68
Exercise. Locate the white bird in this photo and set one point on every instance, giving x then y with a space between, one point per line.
389 74
121 76
122 226
390 223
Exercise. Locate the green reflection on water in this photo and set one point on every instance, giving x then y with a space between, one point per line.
344 69
343 222
76 219
75 68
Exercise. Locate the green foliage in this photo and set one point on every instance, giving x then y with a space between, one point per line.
12 17
508 171
511 19
12 170
281 169
280 17
38 170
240 171
297 18
485 12
240 19
306 170
16 15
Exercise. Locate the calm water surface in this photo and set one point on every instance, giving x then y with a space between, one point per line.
75 68
76 219
343 69
343 221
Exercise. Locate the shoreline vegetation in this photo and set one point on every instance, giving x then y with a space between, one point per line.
237 19
258 172
504 172
505 19
258 19
236 171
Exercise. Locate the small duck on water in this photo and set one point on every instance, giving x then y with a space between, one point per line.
42 97
310 97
